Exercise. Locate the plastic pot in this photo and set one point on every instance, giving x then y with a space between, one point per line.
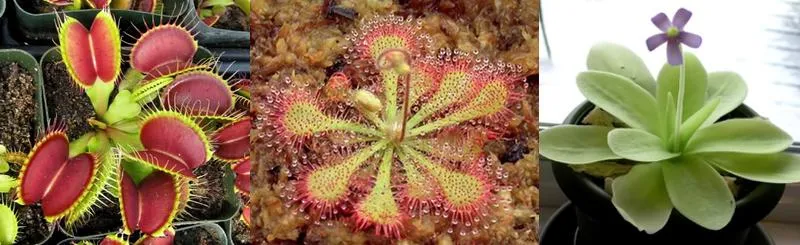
27 62
212 228
30 64
2 7
561 229
215 37
600 223
42 26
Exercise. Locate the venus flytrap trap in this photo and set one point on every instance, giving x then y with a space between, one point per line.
399 133
81 178
155 182
679 150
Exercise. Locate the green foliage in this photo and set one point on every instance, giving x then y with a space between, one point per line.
672 169
8 225
6 182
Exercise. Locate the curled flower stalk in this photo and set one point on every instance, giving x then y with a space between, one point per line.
391 151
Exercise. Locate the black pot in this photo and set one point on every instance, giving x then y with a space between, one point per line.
561 229
599 222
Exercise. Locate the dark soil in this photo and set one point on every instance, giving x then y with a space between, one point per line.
65 101
17 107
210 194
197 236
241 233
105 219
33 229
233 19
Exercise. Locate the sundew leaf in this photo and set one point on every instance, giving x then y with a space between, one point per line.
698 192
739 135
617 59
622 98
641 197
695 86
576 144
769 168
695 121
731 90
638 145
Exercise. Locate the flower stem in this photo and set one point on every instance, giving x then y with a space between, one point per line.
679 110
407 82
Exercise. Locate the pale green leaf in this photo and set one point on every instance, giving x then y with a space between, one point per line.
730 88
99 143
8 225
3 165
641 197
576 144
617 59
698 192
695 87
622 98
78 146
602 169
750 135
769 168
123 107
669 118
7 183
696 120
638 145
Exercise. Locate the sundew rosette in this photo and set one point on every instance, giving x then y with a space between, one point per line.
386 167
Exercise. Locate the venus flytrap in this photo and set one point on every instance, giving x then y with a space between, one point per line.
679 149
93 59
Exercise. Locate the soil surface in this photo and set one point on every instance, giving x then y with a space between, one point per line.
197 236
210 193
241 233
33 229
66 101
17 108
233 19
105 219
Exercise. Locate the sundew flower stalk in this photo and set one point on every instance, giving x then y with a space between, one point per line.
679 150
409 145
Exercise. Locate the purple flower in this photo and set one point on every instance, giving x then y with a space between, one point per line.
673 35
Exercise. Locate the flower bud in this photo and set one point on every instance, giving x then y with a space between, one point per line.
367 101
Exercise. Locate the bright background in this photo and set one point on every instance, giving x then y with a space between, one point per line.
760 40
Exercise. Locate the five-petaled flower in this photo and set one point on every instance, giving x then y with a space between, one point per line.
673 34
